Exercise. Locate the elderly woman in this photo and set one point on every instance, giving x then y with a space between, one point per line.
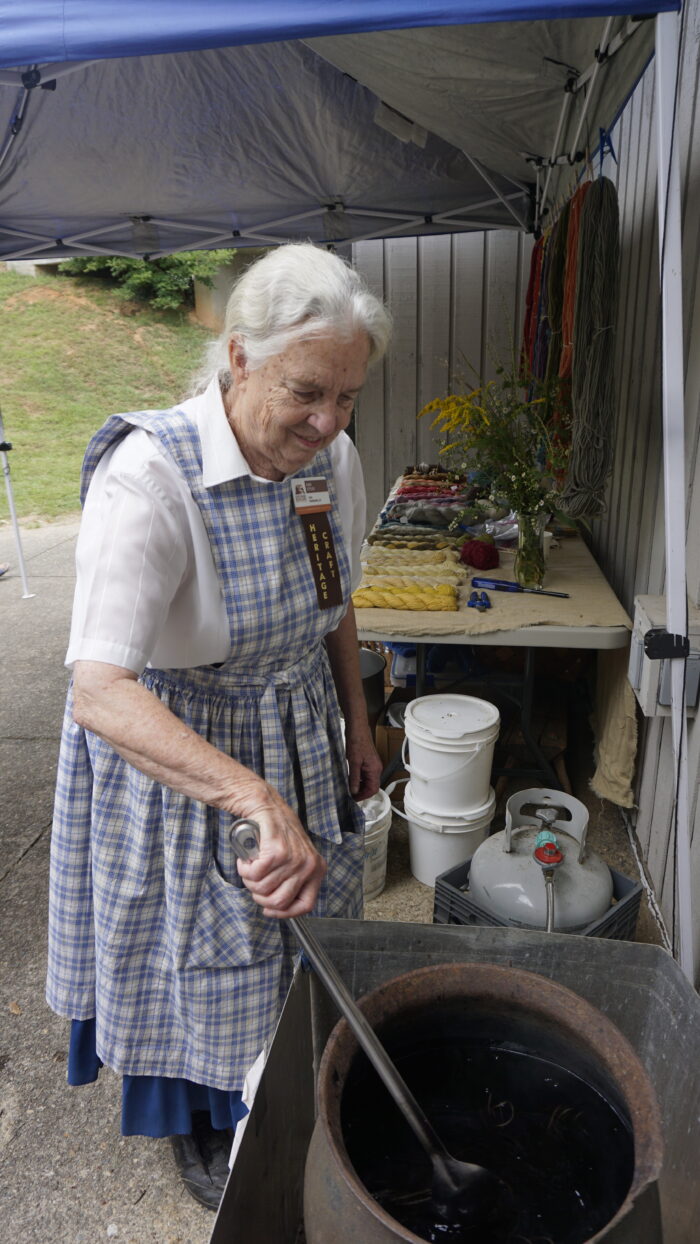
212 643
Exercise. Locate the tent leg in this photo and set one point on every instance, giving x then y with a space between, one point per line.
670 256
26 594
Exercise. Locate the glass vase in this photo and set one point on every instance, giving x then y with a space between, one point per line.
529 557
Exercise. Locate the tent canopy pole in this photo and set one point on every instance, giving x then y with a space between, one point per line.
5 446
670 259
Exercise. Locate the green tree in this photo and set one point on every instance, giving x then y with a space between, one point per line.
166 283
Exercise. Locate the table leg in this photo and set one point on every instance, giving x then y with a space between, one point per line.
420 669
526 719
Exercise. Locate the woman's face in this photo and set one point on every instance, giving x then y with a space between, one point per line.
293 406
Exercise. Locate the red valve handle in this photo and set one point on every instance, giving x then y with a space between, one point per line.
548 853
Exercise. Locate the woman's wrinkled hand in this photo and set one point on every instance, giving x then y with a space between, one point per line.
364 765
286 876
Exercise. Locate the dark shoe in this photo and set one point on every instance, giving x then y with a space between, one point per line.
202 1159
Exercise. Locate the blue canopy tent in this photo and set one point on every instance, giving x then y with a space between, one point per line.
150 126
142 128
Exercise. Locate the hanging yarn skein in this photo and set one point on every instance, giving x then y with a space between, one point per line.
540 346
555 291
592 384
532 300
575 206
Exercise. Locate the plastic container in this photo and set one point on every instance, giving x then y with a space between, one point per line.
378 813
395 714
439 842
403 670
450 740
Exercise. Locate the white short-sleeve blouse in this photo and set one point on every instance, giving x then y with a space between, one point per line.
147 592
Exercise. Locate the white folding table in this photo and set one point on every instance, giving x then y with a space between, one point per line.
591 618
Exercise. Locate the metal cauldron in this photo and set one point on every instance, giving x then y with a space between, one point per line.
372 667
553 1022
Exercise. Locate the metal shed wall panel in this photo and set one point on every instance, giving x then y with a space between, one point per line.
457 301
463 298
629 541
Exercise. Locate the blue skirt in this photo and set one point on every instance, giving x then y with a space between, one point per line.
152 1105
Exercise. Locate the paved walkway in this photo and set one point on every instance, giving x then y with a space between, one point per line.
66 1175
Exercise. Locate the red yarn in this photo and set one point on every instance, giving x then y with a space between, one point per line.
532 302
480 554
569 300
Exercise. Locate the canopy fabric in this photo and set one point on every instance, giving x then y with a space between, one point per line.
200 130
65 30
495 91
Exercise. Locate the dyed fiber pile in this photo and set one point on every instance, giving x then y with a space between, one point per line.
418 513
409 577
569 333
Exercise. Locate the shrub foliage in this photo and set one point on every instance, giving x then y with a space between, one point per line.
166 283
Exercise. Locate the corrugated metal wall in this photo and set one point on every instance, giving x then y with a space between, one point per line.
457 301
629 542
464 296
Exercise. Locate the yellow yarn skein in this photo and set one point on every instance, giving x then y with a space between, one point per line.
432 599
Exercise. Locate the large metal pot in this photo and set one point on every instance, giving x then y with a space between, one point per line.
372 667
552 1022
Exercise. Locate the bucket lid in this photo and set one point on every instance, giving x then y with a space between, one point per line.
450 717
444 822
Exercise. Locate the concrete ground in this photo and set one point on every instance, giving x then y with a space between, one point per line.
65 1172
66 1175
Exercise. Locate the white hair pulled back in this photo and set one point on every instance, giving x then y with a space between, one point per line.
297 290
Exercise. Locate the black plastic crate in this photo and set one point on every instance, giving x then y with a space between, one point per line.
454 906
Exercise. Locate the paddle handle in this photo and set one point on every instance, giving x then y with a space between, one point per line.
245 842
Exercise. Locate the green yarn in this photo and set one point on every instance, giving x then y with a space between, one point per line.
593 377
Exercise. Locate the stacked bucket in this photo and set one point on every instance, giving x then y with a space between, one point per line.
448 801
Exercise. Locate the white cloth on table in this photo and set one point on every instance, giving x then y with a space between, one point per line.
140 513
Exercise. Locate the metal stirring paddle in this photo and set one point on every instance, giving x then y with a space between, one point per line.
460 1190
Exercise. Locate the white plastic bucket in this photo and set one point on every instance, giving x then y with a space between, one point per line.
437 843
378 811
450 741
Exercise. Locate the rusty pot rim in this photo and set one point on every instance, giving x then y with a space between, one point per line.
531 994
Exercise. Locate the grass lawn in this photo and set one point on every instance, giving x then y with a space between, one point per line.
73 352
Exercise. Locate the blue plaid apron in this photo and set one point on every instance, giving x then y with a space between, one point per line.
150 927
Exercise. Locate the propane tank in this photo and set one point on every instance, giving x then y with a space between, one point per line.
538 873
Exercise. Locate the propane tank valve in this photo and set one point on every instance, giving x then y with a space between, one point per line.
547 815
549 857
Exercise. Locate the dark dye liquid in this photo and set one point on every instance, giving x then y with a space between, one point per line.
513 1100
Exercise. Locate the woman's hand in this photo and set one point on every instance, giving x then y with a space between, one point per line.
286 876
364 765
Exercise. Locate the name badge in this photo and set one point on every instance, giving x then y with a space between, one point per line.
311 496
312 502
